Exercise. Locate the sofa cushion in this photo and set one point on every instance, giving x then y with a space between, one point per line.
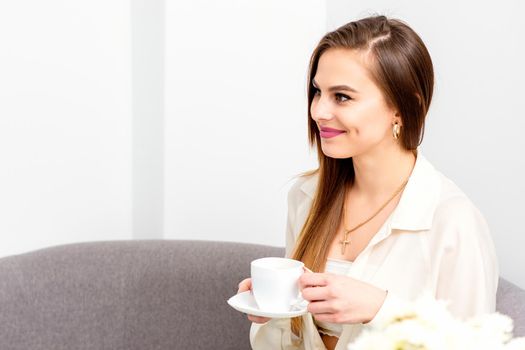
157 294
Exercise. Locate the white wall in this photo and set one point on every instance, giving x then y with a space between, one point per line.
474 133
147 56
65 129
204 142
236 115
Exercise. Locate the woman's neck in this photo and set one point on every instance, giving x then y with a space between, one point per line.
381 173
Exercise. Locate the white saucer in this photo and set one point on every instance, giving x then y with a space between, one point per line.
244 302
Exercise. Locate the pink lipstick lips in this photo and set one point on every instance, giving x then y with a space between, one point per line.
329 132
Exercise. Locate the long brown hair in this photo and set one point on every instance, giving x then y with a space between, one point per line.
401 67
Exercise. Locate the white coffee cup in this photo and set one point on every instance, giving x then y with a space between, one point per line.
275 283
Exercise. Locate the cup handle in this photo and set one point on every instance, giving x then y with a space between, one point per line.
299 302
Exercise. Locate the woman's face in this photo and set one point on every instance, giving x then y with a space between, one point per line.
353 120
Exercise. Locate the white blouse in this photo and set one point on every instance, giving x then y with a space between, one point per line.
435 240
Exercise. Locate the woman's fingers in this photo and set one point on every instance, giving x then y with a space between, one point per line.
258 319
316 293
327 317
245 285
313 280
321 307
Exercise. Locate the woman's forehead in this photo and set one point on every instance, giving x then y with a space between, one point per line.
343 67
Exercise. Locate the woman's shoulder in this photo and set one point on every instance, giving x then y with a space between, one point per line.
451 195
455 208
460 229
303 187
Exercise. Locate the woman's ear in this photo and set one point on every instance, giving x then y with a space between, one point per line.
419 99
397 119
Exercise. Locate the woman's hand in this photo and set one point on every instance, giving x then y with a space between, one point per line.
340 299
245 285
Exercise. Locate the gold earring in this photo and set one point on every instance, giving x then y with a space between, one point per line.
395 130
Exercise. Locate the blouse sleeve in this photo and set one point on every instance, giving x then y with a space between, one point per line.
392 305
467 268
464 264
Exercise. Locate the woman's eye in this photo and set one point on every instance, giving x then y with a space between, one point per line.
338 97
346 98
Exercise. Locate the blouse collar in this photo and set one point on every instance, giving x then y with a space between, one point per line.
418 200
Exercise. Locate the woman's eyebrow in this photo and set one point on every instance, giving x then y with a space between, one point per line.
336 87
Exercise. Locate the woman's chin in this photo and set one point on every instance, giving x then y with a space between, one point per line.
336 154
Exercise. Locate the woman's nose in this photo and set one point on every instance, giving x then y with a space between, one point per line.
320 110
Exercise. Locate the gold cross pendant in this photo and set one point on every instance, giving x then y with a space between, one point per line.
344 243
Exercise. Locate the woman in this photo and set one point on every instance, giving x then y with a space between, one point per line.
376 223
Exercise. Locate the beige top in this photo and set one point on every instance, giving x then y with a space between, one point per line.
434 240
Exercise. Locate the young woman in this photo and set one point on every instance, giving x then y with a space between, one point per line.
376 222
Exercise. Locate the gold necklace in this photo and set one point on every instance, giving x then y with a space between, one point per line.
345 241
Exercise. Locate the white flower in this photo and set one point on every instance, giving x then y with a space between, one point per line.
494 325
516 344
426 324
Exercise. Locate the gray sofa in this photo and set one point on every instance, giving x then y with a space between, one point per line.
140 295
